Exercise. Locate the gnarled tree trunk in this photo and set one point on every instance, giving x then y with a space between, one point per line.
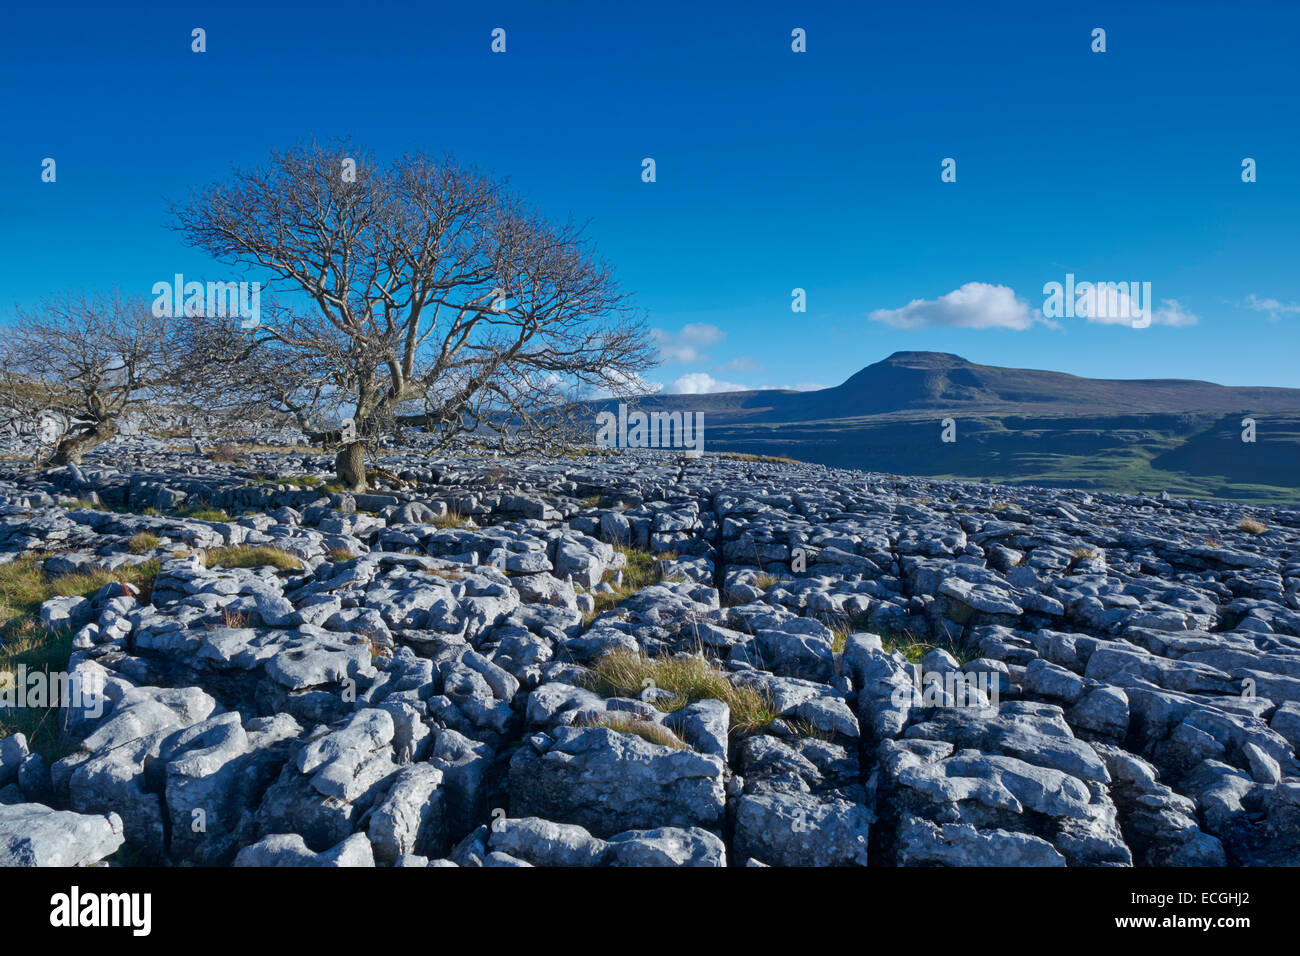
350 466
75 445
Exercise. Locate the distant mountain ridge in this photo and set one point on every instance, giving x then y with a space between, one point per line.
930 381
1020 425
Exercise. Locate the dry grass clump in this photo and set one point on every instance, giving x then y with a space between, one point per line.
141 542
1251 526
228 454
246 556
840 637
804 728
86 583
688 678
645 729
452 519
234 619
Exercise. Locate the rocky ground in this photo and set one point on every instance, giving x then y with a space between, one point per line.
639 660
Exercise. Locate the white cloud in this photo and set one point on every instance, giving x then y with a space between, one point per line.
1118 308
702 383
684 346
1273 307
976 305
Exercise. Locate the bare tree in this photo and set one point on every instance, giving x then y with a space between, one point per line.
77 363
424 294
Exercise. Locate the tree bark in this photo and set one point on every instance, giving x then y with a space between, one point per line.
350 466
74 446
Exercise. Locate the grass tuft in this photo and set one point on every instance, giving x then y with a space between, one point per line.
840 637
688 678
645 729
86 583
298 481
641 570
804 728
246 556
913 648
452 519
141 542
233 619
201 512
1251 526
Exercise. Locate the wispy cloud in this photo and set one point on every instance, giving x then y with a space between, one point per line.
1121 309
1273 307
976 305
741 364
1172 312
684 345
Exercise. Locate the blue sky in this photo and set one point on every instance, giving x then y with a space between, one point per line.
775 170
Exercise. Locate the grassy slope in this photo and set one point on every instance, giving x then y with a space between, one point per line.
24 586
1191 456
